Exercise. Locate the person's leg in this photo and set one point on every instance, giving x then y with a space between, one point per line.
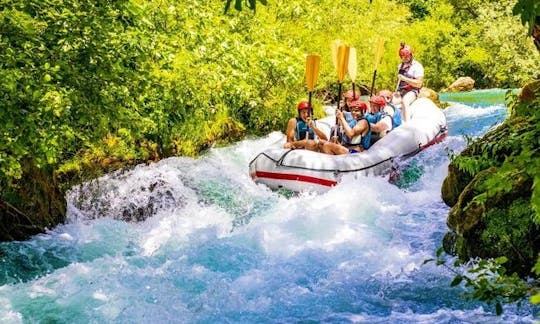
307 144
406 102
311 145
334 149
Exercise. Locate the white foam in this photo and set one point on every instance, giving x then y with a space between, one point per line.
458 110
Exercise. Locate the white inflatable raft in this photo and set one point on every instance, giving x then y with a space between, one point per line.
304 170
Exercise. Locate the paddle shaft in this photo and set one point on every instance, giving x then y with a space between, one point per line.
310 95
338 107
373 82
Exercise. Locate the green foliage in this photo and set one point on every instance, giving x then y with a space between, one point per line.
512 153
103 84
529 11
486 280
535 298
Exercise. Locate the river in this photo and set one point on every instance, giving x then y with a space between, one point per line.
213 247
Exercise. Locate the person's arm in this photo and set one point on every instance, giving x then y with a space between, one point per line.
385 124
291 125
417 83
343 122
317 131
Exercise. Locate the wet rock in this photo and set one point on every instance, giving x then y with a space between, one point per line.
461 84
528 92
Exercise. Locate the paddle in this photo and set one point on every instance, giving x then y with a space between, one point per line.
353 68
312 73
378 55
342 64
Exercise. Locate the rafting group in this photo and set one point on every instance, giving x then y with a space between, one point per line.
359 124
362 138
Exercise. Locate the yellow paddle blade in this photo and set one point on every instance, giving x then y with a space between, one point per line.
313 62
342 61
352 64
335 46
378 52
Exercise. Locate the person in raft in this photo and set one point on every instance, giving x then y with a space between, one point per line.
410 79
391 108
302 131
356 132
379 118
349 97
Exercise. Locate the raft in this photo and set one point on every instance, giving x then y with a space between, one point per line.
303 170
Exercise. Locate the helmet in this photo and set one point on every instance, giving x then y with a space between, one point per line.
358 104
349 95
386 94
304 104
405 50
378 100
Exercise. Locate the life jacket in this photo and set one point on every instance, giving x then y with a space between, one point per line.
339 132
374 119
363 141
396 116
301 130
404 87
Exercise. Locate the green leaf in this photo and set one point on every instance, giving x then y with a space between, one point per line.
457 280
440 251
501 260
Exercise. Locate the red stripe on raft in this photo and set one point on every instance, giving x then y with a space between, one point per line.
439 138
294 177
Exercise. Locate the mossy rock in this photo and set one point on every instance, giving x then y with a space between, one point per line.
501 225
453 185
489 187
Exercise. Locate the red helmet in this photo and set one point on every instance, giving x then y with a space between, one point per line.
405 50
378 100
304 104
358 104
349 95
386 94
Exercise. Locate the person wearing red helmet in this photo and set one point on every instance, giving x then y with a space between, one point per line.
302 130
392 108
410 79
356 131
350 96
379 118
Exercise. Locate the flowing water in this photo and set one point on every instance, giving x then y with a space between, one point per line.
210 246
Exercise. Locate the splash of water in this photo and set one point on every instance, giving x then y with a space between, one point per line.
188 240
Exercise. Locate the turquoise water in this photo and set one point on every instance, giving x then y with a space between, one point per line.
482 98
216 248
